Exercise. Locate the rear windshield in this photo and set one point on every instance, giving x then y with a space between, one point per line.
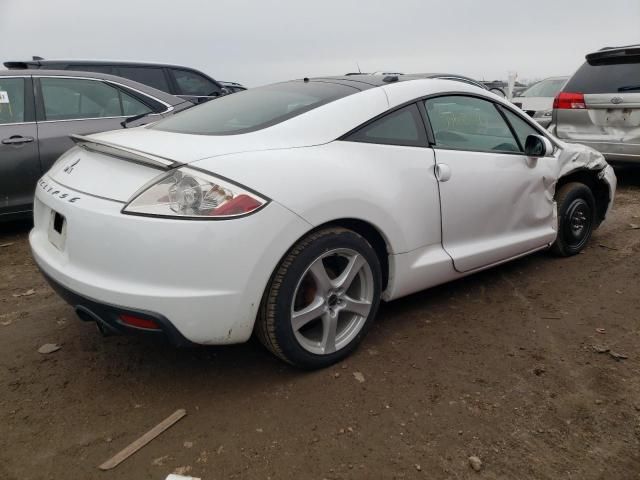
619 77
254 109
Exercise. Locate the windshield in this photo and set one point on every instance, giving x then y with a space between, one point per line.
254 109
545 88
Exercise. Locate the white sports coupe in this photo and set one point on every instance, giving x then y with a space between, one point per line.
292 209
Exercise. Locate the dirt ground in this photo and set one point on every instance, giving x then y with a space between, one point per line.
500 365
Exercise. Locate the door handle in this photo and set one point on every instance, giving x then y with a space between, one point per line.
17 140
443 172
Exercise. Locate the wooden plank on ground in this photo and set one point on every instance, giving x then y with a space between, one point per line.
133 447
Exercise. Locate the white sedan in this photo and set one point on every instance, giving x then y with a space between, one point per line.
291 210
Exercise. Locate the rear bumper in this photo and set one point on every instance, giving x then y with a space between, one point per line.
205 279
108 317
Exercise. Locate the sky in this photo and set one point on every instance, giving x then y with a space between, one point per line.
262 41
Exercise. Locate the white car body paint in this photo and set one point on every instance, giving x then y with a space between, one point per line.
208 277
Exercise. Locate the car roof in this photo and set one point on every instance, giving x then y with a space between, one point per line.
18 64
153 92
365 81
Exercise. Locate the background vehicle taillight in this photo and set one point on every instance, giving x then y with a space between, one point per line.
569 101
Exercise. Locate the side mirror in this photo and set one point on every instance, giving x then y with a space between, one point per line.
537 146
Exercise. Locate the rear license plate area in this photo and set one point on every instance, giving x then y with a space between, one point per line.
58 222
57 229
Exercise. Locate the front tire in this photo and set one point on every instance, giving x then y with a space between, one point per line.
322 299
576 218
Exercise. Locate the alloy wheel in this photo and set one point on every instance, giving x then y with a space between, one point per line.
332 301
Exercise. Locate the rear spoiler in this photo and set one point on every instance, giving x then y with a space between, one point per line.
124 153
23 65
19 65
609 56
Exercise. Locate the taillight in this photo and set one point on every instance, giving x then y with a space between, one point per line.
569 101
187 193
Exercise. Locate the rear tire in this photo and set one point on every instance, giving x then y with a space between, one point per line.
576 218
321 300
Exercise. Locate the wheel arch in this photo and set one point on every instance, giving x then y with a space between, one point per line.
367 230
370 233
598 187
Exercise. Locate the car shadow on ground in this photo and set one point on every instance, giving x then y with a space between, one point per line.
15 227
189 366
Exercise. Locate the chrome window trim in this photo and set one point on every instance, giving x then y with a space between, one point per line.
96 118
16 123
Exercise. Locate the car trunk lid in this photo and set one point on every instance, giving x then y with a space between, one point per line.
614 117
104 170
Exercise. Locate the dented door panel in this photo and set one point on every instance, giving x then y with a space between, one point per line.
495 206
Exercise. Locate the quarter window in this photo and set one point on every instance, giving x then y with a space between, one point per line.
71 99
192 83
11 100
469 123
401 127
154 77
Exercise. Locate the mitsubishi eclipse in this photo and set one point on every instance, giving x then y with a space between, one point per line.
293 209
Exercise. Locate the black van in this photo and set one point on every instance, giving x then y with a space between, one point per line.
184 82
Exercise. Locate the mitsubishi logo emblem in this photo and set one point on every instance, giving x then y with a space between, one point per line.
69 168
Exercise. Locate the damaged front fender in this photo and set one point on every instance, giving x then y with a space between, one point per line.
573 158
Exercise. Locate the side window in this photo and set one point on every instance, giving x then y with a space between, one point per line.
401 127
132 106
72 99
11 100
522 128
192 83
469 123
154 77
